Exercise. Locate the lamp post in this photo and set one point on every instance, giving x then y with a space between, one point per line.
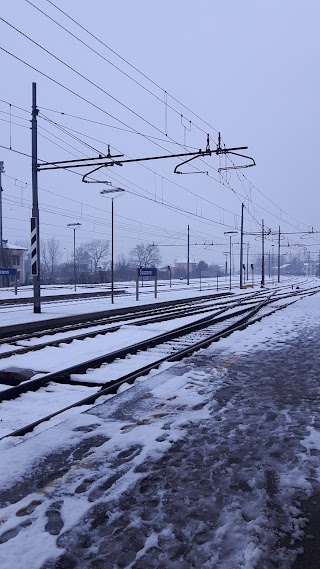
272 261
226 253
74 227
230 233
262 257
247 262
118 192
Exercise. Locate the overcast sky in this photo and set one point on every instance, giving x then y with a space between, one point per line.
247 69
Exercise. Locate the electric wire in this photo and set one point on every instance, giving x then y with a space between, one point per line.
132 79
128 63
157 173
103 90
116 119
87 205
112 64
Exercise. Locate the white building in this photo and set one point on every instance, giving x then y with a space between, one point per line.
12 256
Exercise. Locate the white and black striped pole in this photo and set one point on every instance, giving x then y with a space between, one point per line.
34 247
35 243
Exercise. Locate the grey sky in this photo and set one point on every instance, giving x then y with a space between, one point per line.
250 69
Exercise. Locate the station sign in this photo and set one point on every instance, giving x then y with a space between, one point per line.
8 272
147 271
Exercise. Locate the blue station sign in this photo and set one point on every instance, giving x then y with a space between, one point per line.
8 272
147 271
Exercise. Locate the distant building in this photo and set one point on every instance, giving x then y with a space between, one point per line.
12 256
181 268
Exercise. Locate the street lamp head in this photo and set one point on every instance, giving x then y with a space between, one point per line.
112 190
74 224
229 232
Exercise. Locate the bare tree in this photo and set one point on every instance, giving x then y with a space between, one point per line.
83 258
98 249
145 255
124 269
83 264
5 255
51 255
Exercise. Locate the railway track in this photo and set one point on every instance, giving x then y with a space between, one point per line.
32 329
19 344
104 375
8 334
25 342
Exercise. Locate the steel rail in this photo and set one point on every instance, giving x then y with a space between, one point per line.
144 319
63 376
113 386
34 327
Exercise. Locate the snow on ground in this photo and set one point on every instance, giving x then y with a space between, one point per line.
207 464
32 406
55 290
49 310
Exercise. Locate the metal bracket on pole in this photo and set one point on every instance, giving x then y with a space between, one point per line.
176 171
100 161
238 166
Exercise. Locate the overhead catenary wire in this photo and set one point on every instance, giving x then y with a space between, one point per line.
92 83
213 178
240 197
67 87
189 214
227 184
84 98
170 182
230 212
98 87
259 206
129 131
177 209
232 190
163 177
119 56
128 63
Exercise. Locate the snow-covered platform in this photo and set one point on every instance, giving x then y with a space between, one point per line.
212 463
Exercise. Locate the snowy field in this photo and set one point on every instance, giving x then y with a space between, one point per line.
211 463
